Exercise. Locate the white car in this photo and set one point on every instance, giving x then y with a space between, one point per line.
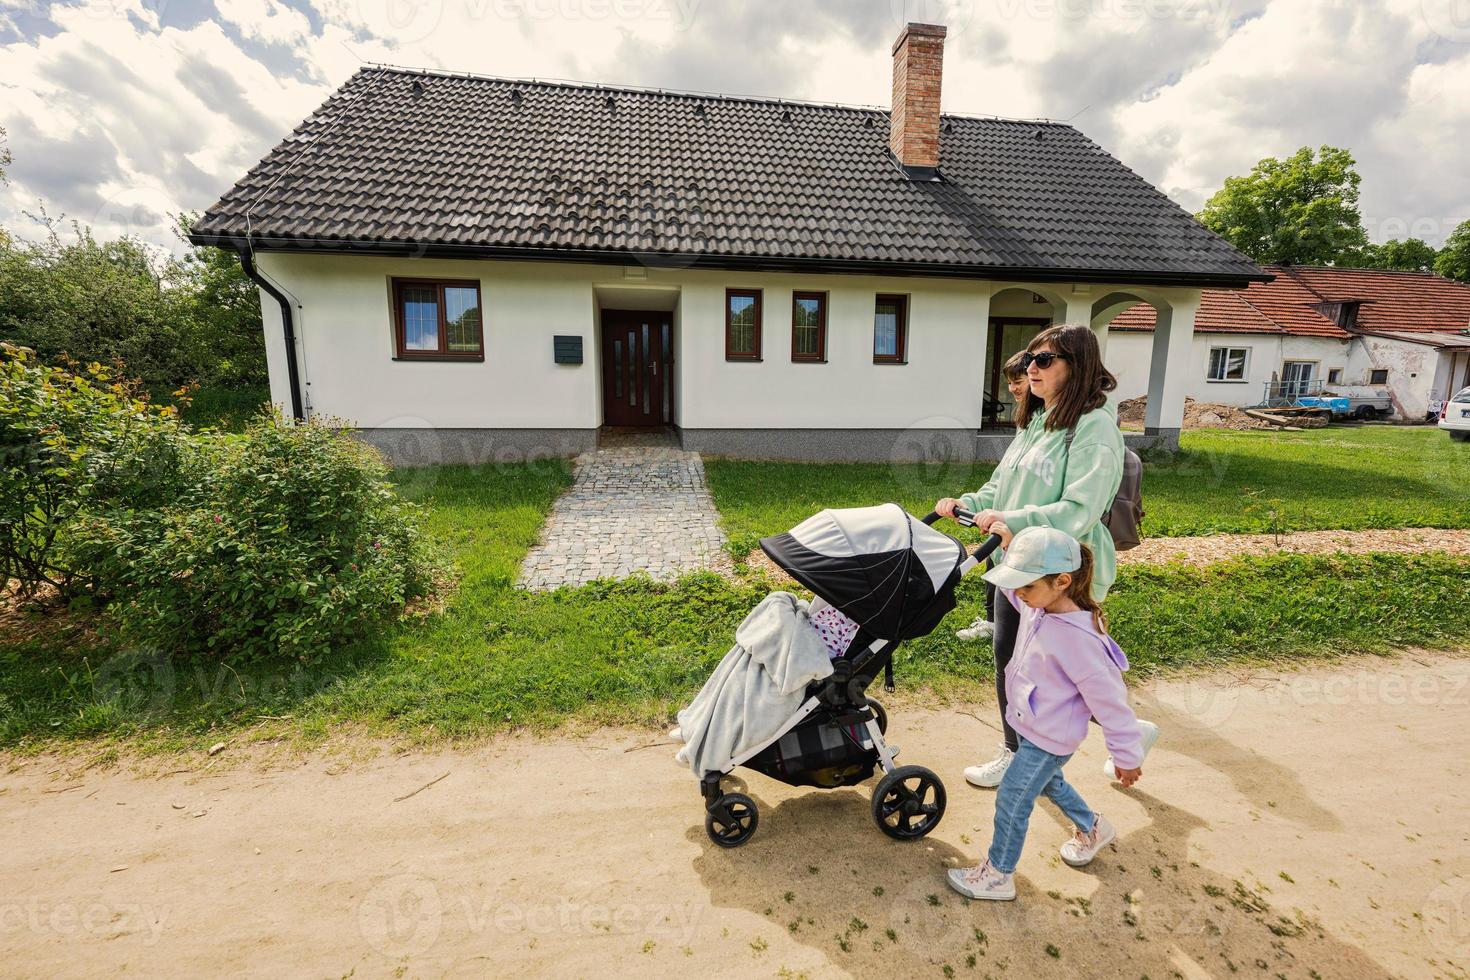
1454 415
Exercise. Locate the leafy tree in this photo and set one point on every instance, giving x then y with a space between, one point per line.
171 321
210 290
4 157
1301 210
92 301
1454 258
1412 255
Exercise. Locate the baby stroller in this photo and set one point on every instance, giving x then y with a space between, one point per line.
895 576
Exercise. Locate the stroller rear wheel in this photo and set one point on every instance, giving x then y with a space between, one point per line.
908 803
731 819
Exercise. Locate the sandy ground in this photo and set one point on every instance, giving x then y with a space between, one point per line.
1288 825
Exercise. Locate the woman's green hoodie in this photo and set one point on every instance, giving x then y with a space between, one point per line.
1038 482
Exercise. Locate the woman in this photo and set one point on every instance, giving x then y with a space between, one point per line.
1041 481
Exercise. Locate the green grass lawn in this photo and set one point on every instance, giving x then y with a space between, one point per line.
1341 477
634 651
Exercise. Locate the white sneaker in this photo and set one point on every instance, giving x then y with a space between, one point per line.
983 882
989 775
980 629
1150 736
1082 848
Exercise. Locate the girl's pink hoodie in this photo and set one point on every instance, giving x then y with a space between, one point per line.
1063 673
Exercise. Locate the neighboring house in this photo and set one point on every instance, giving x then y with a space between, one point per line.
1406 331
479 268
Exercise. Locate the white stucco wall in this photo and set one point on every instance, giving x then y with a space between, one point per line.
1412 371
344 329
1130 353
345 343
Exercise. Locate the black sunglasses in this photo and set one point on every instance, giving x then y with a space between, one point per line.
1043 360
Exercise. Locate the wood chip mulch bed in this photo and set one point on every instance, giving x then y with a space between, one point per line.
1220 547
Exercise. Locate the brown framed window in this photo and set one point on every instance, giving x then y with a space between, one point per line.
437 320
742 324
890 328
808 326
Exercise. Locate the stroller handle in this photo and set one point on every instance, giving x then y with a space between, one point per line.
967 518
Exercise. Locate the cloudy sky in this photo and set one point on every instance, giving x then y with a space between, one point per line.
120 112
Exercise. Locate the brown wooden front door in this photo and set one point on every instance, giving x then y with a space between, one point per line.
637 358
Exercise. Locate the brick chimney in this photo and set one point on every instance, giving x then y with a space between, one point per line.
913 124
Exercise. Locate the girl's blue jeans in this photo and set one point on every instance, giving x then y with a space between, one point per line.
1032 773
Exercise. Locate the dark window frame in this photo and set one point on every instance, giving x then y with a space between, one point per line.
1372 372
754 354
901 345
400 340
820 357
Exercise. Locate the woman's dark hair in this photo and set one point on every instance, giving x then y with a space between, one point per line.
1088 382
1012 368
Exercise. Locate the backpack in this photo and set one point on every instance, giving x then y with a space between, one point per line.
1124 518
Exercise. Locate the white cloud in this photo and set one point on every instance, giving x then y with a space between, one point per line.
266 20
121 111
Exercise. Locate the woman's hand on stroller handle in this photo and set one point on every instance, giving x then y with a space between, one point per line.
953 509
967 518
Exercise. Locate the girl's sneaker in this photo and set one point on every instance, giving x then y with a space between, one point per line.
1082 848
983 882
1150 736
980 629
989 775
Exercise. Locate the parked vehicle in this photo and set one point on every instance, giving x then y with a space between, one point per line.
1359 402
1454 416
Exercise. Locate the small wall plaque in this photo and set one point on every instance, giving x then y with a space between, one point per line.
568 350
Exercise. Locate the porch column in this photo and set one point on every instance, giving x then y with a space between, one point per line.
1079 310
1169 368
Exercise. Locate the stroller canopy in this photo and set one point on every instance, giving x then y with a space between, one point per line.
881 566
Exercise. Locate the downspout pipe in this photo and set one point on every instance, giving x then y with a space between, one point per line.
288 324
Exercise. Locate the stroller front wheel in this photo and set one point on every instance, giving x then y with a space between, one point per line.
908 803
731 820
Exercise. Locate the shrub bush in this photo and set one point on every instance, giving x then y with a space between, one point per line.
293 542
75 441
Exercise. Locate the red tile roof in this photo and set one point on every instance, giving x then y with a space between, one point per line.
1415 301
1405 301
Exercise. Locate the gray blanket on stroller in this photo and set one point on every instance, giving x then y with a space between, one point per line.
757 686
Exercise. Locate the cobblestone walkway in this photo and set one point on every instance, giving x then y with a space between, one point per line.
638 503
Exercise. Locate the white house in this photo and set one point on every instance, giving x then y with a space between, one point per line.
1406 331
474 268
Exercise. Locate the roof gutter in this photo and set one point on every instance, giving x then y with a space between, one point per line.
288 323
756 263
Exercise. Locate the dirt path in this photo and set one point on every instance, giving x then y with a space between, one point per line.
1295 825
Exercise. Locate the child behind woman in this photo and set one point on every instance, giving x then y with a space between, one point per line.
1018 386
1065 669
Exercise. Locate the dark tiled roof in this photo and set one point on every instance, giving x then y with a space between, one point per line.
401 157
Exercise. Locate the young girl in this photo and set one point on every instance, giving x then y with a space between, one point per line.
1065 669
1018 385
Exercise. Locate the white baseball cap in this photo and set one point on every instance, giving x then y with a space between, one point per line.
1034 552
